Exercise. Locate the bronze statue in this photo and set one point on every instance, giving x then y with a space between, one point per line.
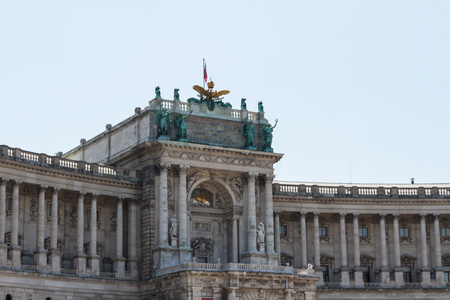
210 96
180 123
157 92
266 133
162 121
243 104
176 95
260 107
248 131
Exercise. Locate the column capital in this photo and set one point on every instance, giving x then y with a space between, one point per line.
4 181
423 215
183 169
396 215
17 183
342 214
120 199
95 196
251 176
277 212
82 194
436 215
382 216
316 214
303 213
163 167
43 188
269 177
56 190
133 201
355 215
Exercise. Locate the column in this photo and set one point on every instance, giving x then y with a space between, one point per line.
398 265
15 248
345 278
132 251
40 254
277 234
94 259
426 279
357 255
119 261
439 270
3 246
163 206
385 277
251 211
182 208
80 258
55 255
317 266
303 239
235 243
270 250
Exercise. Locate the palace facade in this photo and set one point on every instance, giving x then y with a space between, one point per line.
150 209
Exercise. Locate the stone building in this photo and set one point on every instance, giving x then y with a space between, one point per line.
154 209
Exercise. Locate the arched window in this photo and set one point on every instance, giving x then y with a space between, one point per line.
201 197
8 297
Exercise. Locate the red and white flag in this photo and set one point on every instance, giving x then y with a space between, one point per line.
205 74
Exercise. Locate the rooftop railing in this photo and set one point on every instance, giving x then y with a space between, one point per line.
59 163
350 191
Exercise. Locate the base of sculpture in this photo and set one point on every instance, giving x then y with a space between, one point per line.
94 262
345 277
399 278
15 254
165 256
79 263
40 259
254 258
55 261
358 275
251 148
268 150
272 259
385 280
183 140
119 267
426 278
3 255
164 137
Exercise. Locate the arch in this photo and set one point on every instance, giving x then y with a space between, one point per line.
8 297
218 184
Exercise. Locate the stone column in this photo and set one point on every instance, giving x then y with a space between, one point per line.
439 270
93 257
55 255
40 254
3 246
357 255
80 258
163 206
251 214
398 264
426 279
270 250
277 234
317 266
133 260
303 239
182 208
235 243
385 277
345 278
119 261
15 248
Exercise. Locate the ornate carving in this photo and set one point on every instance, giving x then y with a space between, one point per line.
202 226
286 259
236 186
202 246
73 216
169 189
59 244
33 210
192 179
114 221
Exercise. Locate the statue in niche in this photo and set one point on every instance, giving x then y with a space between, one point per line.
260 107
243 104
180 123
157 92
261 233
173 231
176 95
162 121
266 133
248 131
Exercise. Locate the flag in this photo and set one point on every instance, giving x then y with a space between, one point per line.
205 74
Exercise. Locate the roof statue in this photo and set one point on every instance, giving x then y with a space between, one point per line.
211 97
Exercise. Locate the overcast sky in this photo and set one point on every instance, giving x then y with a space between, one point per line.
360 88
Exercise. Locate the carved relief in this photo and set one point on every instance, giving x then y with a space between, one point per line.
59 245
114 221
8 239
202 226
73 216
87 248
236 186
192 179
169 189
286 259
33 210
203 247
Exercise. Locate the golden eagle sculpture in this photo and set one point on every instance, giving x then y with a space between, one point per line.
210 96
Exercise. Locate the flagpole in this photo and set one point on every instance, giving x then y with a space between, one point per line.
203 72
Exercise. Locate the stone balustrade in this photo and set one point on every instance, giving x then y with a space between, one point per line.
361 191
59 163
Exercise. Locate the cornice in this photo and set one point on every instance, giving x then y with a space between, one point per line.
365 201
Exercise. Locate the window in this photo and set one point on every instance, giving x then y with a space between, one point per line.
9 207
407 274
326 274
201 197
283 230
445 231
366 274
404 232
49 210
447 274
363 232
8 297
323 231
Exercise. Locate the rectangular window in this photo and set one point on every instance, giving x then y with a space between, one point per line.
323 231
447 274
445 231
283 230
404 232
363 232
9 204
49 210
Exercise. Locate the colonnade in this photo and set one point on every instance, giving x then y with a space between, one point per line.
81 258
385 268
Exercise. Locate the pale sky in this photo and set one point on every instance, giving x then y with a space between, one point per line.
360 88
